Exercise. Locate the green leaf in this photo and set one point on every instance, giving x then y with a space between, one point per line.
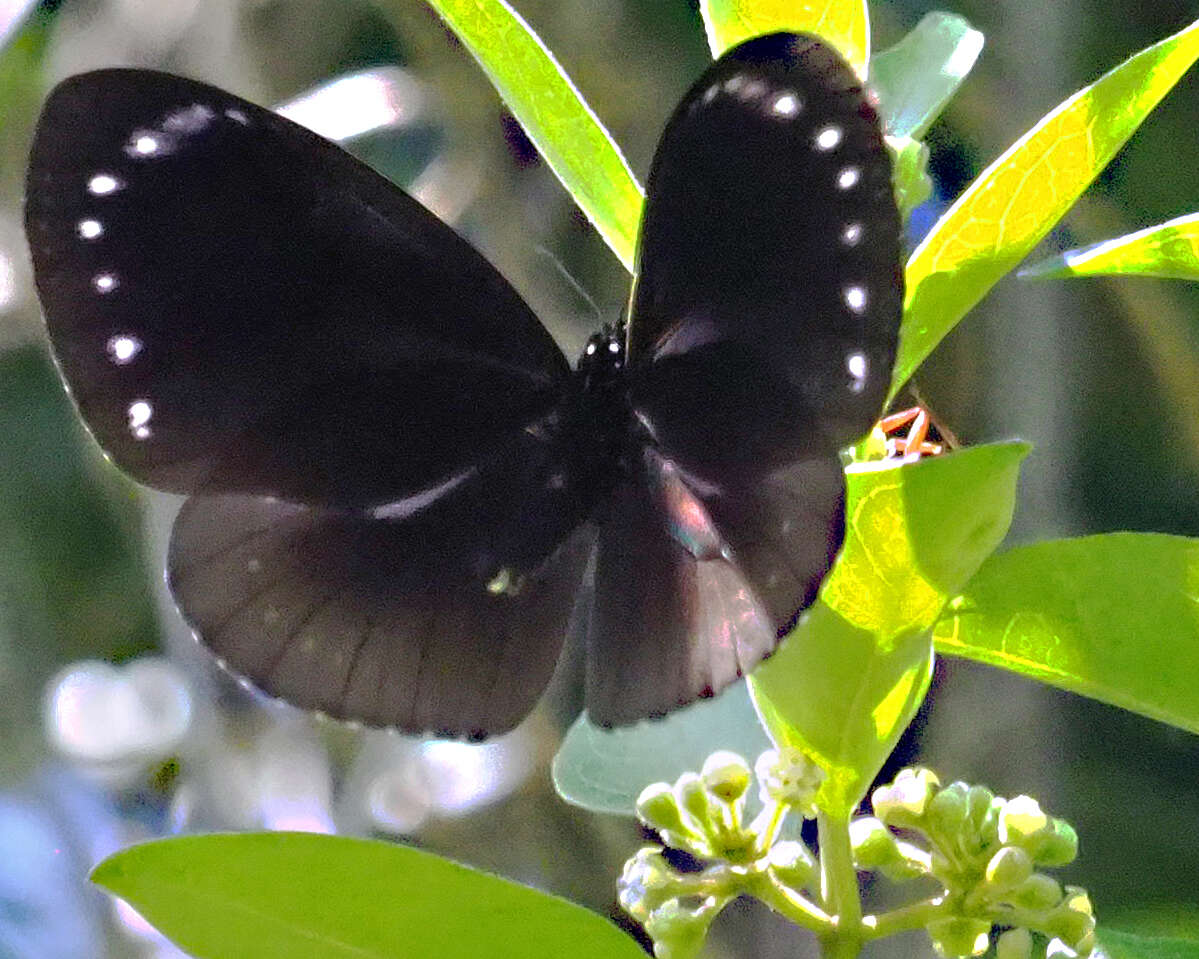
604 770
301 895
568 134
1114 617
1123 945
847 681
916 78
1169 250
843 23
909 174
1012 204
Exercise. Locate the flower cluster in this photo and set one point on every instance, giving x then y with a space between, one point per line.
985 851
704 815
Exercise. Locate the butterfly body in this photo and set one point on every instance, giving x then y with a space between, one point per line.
397 483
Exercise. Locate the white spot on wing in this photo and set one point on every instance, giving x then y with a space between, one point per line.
858 367
848 178
123 348
753 90
191 119
103 184
785 105
140 412
145 145
855 298
852 234
104 282
90 229
828 138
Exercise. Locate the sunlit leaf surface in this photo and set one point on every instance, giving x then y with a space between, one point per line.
916 78
1114 617
1012 204
850 677
306 896
1123 945
844 23
567 133
1169 250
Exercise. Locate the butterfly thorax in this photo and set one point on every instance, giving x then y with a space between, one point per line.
600 408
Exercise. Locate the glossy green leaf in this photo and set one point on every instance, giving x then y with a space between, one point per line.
916 78
849 678
307 896
542 97
1169 250
1114 617
909 174
604 770
1012 204
844 23
1123 945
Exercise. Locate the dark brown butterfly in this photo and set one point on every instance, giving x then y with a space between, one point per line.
397 484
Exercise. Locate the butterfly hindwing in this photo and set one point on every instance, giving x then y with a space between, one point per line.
240 306
692 591
444 616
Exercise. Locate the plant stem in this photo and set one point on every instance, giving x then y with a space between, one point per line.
790 903
839 887
917 915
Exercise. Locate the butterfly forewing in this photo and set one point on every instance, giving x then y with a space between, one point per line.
386 521
766 311
240 306
761 339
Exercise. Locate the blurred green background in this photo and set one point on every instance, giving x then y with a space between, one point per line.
1102 376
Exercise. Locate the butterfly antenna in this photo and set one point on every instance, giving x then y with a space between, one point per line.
574 284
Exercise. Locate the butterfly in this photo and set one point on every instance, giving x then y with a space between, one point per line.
400 493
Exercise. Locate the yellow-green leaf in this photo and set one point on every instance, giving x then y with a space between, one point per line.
843 23
305 896
849 678
1006 211
1114 617
542 97
1169 250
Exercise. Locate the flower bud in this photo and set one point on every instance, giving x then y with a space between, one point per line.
1008 868
1038 891
693 799
1057 846
726 776
1021 821
980 802
947 811
959 936
1073 921
1014 944
873 843
658 808
904 801
679 931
